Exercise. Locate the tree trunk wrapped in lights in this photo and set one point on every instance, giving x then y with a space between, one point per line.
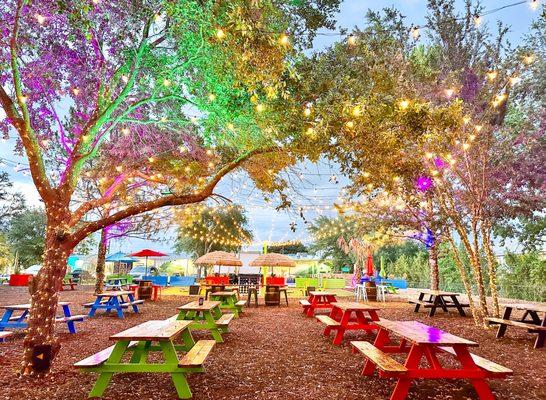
101 262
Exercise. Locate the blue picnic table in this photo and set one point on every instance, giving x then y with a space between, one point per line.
114 301
19 321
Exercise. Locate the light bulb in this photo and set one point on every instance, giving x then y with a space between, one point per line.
415 32
220 34
477 20
260 107
351 40
40 18
403 104
212 97
533 4
284 40
492 75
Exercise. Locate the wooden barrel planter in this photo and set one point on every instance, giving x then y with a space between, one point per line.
272 296
371 291
145 290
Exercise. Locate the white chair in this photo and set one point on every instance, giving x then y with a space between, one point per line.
381 292
360 292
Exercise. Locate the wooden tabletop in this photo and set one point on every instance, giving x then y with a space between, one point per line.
317 293
527 306
114 293
194 306
27 306
350 306
438 292
224 293
419 333
153 330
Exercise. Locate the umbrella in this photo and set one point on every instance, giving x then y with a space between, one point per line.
272 260
219 258
148 253
369 265
120 257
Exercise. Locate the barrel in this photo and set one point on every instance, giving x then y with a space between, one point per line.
145 290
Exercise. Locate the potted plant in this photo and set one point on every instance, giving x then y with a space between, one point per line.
17 278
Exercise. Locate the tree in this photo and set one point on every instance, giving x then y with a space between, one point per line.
292 247
6 255
26 236
165 98
11 204
431 122
203 229
326 232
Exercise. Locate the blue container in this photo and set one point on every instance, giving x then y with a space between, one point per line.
182 280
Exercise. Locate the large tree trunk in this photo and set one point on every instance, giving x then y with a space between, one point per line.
41 344
476 313
101 263
433 266
492 269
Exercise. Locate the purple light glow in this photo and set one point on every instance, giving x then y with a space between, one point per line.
439 163
424 183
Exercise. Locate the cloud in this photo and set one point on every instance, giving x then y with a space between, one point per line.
29 192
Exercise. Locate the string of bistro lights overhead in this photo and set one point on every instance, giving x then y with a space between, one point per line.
318 204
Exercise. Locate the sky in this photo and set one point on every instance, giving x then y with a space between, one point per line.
316 182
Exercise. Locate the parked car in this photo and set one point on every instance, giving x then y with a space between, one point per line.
139 271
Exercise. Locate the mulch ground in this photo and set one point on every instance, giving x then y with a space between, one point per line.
270 353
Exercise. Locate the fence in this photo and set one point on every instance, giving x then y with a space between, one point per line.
520 292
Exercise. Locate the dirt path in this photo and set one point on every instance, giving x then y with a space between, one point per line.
271 353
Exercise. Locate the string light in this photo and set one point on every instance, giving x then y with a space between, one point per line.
415 32
403 104
477 20
284 40
533 4
351 40
40 18
220 34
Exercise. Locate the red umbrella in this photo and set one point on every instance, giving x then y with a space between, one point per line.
369 265
148 253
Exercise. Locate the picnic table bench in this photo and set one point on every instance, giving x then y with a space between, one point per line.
113 300
228 300
530 321
207 316
9 320
139 341
317 300
418 340
348 316
438 298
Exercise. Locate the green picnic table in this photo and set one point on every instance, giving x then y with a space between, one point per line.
139 340
228 300
206 316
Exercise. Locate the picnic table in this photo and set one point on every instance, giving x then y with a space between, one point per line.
116 283
418 340
316 301
19 321
438 298
207 316
228 300
349 316
114 300
139 341
530 320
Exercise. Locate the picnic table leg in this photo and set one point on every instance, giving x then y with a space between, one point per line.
104 378
140 350
401 389
435 303
214 331
179 379
534 317
502 327
541 338
232 306
458 305
480 385
132 299
442 303
421 296
70 324
341 329
94 306
4 323
117 306
187 338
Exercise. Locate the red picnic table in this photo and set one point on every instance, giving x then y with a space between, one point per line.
317 300
418 340
341 319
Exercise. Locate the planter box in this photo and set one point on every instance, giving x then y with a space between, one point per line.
19 279
275 280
